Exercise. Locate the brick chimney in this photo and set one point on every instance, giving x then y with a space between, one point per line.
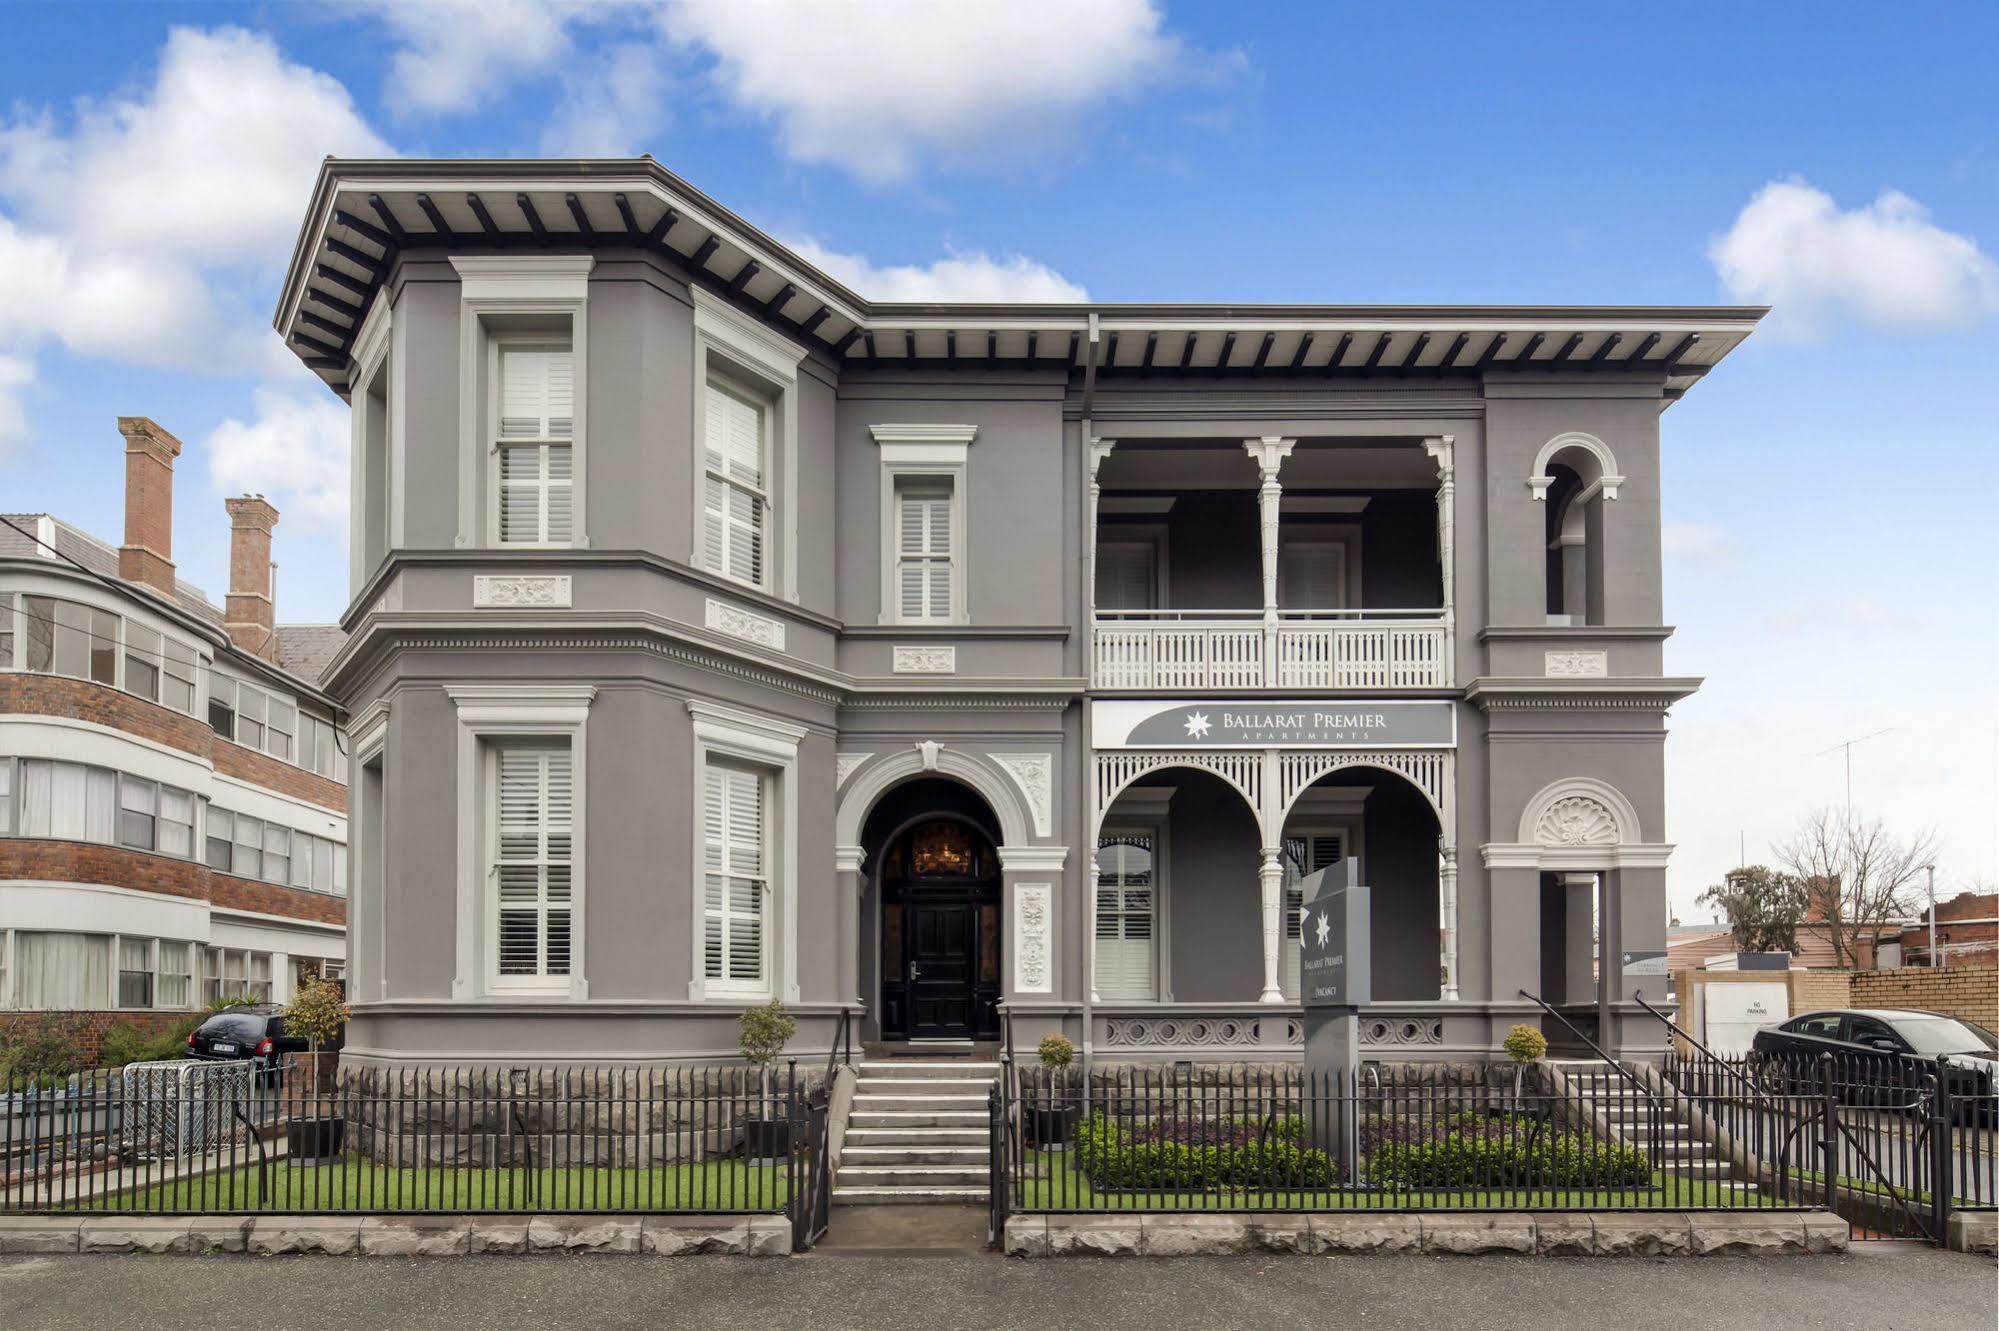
148 553
250 615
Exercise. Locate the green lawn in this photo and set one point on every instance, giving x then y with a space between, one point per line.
361 1186
1068 1189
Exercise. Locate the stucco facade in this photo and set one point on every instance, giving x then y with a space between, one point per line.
720 636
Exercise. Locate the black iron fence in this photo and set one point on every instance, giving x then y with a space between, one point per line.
189 1138
1587 1136
1893 1143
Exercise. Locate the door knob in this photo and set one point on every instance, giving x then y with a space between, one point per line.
915 971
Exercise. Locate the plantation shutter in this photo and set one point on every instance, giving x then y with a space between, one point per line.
734 500
924 551
537 393
536 426
1125 913
1126 575
737 879
1311 575
534 826
1304 854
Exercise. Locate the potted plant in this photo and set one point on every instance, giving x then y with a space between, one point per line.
1524 1045
316 1012
762 1035
1055 1123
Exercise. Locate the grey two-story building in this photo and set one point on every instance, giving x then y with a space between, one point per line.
721 635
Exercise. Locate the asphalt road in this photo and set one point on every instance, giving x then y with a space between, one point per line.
1885 1287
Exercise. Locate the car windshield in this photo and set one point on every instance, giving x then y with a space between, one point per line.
1945 1035
234 1026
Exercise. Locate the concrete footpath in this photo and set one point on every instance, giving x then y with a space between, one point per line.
1876 1286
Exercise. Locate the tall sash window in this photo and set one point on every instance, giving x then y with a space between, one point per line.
736 494
534 437
735 935
534 810
925 552
1126 903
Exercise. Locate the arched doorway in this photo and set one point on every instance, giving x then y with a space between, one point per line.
933 872
940 932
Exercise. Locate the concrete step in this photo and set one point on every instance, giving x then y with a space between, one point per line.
973 1086
913 1067
888 1196
909 1176
868 1135
917 1118
914 1154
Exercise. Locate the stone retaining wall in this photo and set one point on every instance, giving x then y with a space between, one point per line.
400 1236
1554 1234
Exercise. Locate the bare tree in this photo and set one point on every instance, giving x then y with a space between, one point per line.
1858 876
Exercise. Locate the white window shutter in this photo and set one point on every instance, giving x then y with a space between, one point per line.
1126 576
533 854
925 551
1312 576
537 393
734 829
735 508
1126 906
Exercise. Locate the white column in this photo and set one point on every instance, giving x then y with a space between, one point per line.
850 885
1090 912
1448 886
1269 452
1099 450
1441 448
1271 877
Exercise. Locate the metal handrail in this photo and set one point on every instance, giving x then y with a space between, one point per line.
1638 996
1595 1048
842 1038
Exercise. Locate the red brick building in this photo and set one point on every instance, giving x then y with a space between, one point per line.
173 800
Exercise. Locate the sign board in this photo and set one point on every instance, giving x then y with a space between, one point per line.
1210 723
1644 963
1335 962
1731 1014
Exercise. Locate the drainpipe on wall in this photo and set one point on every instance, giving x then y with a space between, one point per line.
1089 773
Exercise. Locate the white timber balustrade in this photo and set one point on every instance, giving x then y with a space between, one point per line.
1235 649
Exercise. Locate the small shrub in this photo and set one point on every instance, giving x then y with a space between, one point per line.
317 1012
1465 1159
1525 1044
1056 1051
1197 1155
763 1032
129 1042
43 1051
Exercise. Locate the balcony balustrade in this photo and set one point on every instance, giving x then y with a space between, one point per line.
1201 650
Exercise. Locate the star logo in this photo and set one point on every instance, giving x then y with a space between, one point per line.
1197 725
1325 928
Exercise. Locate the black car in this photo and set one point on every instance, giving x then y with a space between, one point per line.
255 1032
1876 1055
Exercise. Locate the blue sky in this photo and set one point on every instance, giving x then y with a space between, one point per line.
1828 491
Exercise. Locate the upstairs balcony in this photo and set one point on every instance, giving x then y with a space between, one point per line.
1202 650
1271 565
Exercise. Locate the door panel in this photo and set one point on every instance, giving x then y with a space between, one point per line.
940 969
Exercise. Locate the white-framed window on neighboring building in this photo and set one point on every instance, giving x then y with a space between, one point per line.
62 971
532 858
745 855
534 418
1127 914
523 400
135 972
64 637
523 776
176 975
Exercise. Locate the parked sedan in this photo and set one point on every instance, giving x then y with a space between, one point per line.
1878 1055
256 1033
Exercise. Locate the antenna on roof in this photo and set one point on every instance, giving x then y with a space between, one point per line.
1847 745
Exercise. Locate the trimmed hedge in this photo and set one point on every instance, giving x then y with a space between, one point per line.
1472 1160
1152 1156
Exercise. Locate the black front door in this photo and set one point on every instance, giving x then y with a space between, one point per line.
941 955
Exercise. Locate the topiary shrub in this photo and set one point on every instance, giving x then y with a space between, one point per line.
1471 1159
761 1034
1056 1051
1525 1044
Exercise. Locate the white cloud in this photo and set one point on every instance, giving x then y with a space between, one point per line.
974 276
614 105
460 53
17 374
1884 263
1696 540
294 452
878 88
